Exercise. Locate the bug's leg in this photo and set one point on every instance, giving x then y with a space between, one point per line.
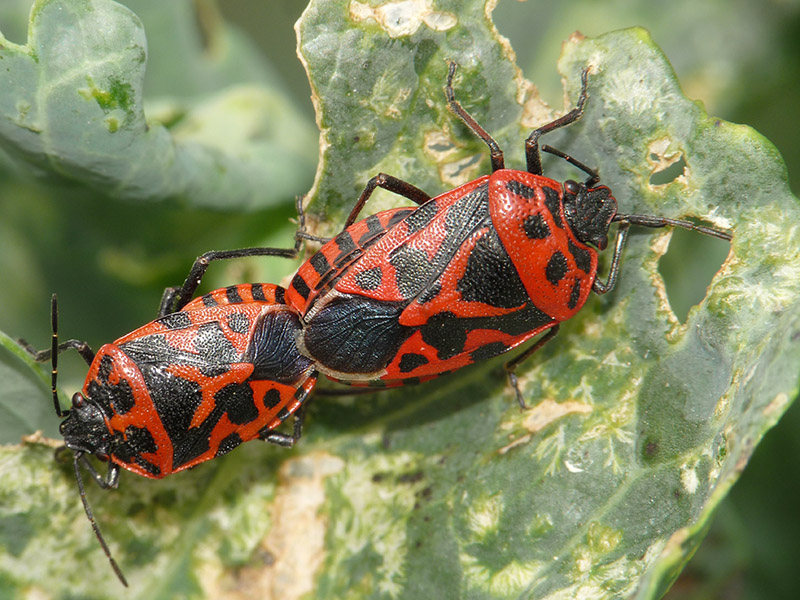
511 366
108 481
175 298
392 184
495 153
282 439
532 143
82 348
287 441
301 233
600 288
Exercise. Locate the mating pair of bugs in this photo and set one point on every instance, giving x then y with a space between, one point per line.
400 297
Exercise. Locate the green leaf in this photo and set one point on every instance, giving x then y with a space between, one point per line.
71 102
23 393
639 423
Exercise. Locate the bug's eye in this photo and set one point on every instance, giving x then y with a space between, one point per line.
571 187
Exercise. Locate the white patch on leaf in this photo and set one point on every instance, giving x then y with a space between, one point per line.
689 479
401 18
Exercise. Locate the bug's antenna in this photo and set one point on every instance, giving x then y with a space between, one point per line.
654 221
594 176
54 354
90 516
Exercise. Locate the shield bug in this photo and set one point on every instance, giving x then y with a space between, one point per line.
412 293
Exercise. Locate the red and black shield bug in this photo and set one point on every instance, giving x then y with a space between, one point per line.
412 293
193 384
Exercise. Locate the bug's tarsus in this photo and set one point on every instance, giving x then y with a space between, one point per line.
391 184
511 366
498 162
600 288
76 463
175 298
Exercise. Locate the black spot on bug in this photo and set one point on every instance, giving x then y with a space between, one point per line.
105 368
488 351
176 399
178 320
420 217
346 246
123 397
300 393
355 334
520 189
410 361
300 286
320 263
283 414
556 268
552 201
129 448
583 258
209 300
448 333
151 468
238 322
398 216
214 370
111 398
413 269
232 293
280 295
575 294
445 332
370 279
330 276
272 398
213 346
236 399
228 443
257 292
374 228
490 277
140 440
535 227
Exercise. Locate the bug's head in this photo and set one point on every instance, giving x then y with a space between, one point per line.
84 429
589 212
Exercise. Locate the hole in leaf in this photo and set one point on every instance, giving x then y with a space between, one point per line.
687 268
668 174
